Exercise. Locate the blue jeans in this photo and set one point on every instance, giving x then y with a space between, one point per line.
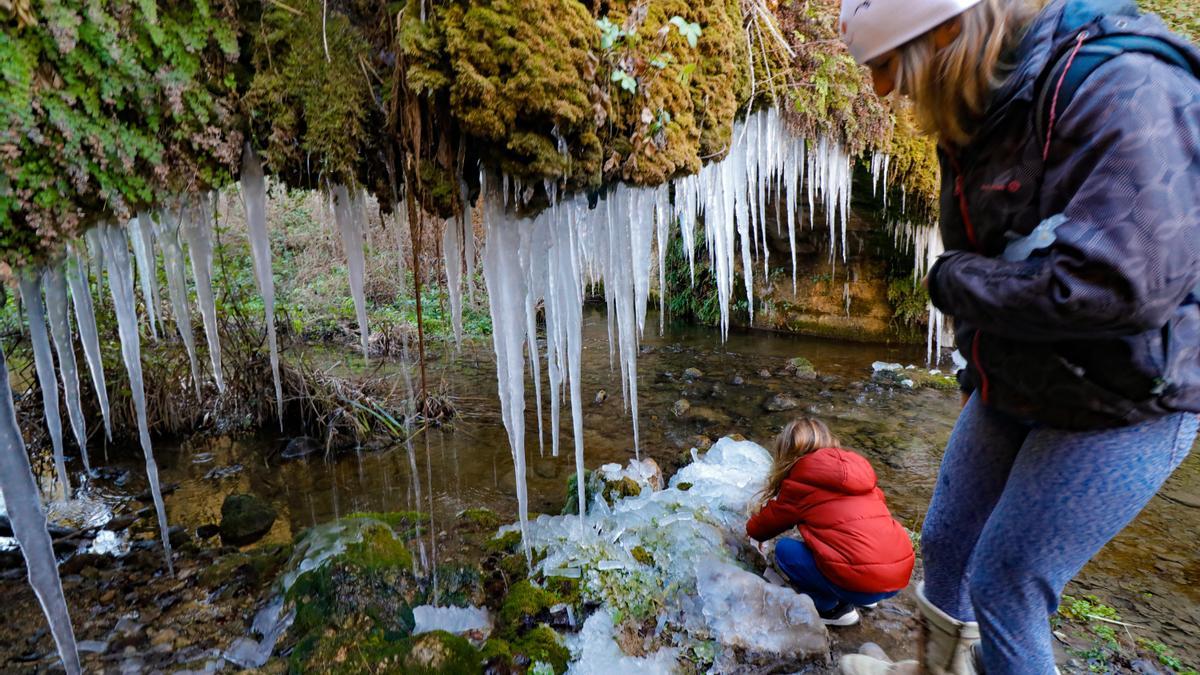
795 560
1019 509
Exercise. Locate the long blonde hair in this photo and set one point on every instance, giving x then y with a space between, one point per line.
951 88
800 437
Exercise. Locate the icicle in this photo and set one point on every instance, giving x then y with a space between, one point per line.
527 257
452 257
197 231
120 283
85 319
55 285
469 250
167 232
142 238
350 225
662 207
29 527
506 294
253 188
96 257
31 296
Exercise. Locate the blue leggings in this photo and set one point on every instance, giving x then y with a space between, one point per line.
796 561
1018 510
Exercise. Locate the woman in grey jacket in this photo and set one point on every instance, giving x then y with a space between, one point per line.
1069 136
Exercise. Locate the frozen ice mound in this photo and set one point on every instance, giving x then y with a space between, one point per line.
457 620
673 557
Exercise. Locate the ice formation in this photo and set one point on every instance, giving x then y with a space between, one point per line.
85 319
120 284
926 244
196 229
167 232
55 283
141 235
456 620
24 508
595 651
348 212
253 188
687 567
43 361
548 259
452 252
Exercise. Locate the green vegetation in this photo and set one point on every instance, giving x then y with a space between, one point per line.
1106 643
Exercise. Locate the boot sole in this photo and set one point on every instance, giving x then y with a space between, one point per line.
848 619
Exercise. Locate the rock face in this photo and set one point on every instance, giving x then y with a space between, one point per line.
245 519
681 407
779 403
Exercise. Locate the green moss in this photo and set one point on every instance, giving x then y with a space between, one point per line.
523 604
684 486
440 652
407 524
566 590
543 644
620 489
505 543
379 549
591 484
641 555
514 566
309 101
254 567
479 519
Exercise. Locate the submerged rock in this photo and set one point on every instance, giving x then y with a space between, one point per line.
680 408
693 374
779 403
245 519
301 446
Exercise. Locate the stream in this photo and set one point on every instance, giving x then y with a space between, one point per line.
1150 573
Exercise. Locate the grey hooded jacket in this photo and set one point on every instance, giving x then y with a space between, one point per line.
1101 327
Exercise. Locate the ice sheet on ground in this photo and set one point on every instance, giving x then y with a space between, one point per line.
594 651
457 620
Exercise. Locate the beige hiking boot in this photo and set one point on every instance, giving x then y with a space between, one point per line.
945 647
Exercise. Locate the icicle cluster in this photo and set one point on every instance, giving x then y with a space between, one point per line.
549 259
926 244
350 214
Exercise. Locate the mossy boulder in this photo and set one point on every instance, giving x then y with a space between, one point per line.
245 518
543 645
523 608
801 367
441 652
592 484
481 519
250 569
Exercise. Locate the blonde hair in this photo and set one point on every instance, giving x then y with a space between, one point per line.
800 437
950 88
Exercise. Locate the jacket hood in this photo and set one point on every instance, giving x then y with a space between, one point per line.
835 470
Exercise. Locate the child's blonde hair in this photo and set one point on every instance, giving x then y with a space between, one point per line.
951 88
800 437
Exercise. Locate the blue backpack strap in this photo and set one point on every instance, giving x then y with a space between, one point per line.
1094 53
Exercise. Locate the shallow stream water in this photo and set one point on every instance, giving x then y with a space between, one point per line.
1150 573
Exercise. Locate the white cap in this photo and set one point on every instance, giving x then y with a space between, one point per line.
874 27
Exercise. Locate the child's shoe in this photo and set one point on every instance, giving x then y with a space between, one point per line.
844 614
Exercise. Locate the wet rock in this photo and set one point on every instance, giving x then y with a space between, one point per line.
764 373
178 535
801 367
699 442
245 519
145 497
681 407
217 473
779 403
601 397
693 374
736 381
300 447
120 523
208 531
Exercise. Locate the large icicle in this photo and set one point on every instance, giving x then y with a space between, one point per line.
55 285
452 238
85 319
142 237
506 295
120 283
350 226
197 232
253 188
29 527
531 342
167 232
43 361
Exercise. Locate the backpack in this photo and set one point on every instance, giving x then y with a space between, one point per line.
1058 85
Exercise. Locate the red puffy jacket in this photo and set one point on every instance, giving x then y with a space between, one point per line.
832 498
